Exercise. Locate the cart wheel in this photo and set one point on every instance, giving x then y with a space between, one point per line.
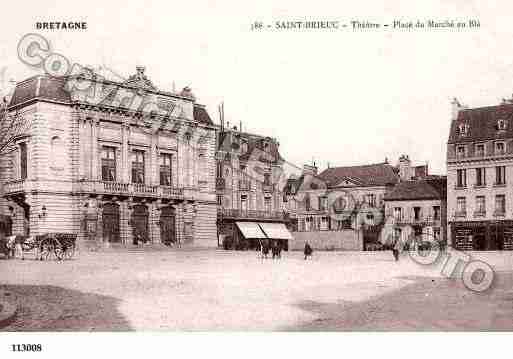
47 248
69 253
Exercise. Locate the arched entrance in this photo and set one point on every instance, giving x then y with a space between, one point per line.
140 222
167 225
110 219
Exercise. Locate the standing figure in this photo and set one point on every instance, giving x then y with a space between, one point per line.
396 249
308 250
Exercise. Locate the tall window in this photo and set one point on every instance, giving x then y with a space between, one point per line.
500 204
480 150
461 178
480 204
436 213
165 161
307 202
267 179
323 203
23 160
244 202
398 215
500 148
480 177
500 175
460 151
137 166
108 163
370 199
416 213
268 204
461 205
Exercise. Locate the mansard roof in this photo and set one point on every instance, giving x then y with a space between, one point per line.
53 89
379 174
482 124
430 188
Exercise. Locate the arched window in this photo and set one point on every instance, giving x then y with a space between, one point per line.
57 153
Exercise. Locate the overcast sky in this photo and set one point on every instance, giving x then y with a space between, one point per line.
345 97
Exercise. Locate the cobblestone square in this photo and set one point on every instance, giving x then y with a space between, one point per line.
189 290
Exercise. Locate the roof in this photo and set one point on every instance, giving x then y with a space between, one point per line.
380 174
42 87
54 89
201 115
230 141
482 123
424 189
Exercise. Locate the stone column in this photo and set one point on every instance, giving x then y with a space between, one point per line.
129 227
125 156
99 225
94 149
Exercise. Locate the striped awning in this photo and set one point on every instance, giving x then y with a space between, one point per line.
276 231
250 230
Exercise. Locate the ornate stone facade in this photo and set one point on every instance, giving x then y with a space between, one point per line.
111 165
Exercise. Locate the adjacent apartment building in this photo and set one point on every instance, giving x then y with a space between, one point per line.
480 177
249 194
111 161
417 209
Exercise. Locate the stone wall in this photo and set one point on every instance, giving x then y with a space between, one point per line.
348 240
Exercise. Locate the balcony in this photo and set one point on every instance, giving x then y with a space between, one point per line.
479 213
460 214
250 214
14 187
244 185
268 188
429 220
131 189
220 183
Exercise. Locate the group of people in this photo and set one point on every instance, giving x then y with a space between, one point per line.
275 247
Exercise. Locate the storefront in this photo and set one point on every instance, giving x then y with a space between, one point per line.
482 235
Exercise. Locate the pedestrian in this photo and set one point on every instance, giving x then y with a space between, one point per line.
308 250
396 249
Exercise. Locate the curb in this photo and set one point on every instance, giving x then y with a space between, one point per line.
8 311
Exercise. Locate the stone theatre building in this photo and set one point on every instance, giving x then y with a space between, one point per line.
111 161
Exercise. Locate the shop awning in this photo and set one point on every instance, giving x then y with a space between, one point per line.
250 230
276 231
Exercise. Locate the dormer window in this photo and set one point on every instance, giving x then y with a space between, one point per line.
463 129
501 125
500 148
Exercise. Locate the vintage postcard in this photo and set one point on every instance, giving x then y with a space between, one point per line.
220 167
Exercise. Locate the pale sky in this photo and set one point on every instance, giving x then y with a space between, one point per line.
345 97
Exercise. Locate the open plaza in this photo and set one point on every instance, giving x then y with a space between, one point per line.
193 289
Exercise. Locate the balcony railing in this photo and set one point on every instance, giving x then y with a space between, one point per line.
268 188
131 189
18 186
244 185
420 220
250 214
220 183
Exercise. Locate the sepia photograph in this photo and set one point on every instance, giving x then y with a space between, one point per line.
253 170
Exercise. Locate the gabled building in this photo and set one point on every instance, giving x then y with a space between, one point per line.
479 177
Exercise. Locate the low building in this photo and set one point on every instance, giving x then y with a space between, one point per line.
112 161
417 210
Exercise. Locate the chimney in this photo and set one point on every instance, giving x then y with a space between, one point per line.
310 169
456 107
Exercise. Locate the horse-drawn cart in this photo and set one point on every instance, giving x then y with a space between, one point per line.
45 246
